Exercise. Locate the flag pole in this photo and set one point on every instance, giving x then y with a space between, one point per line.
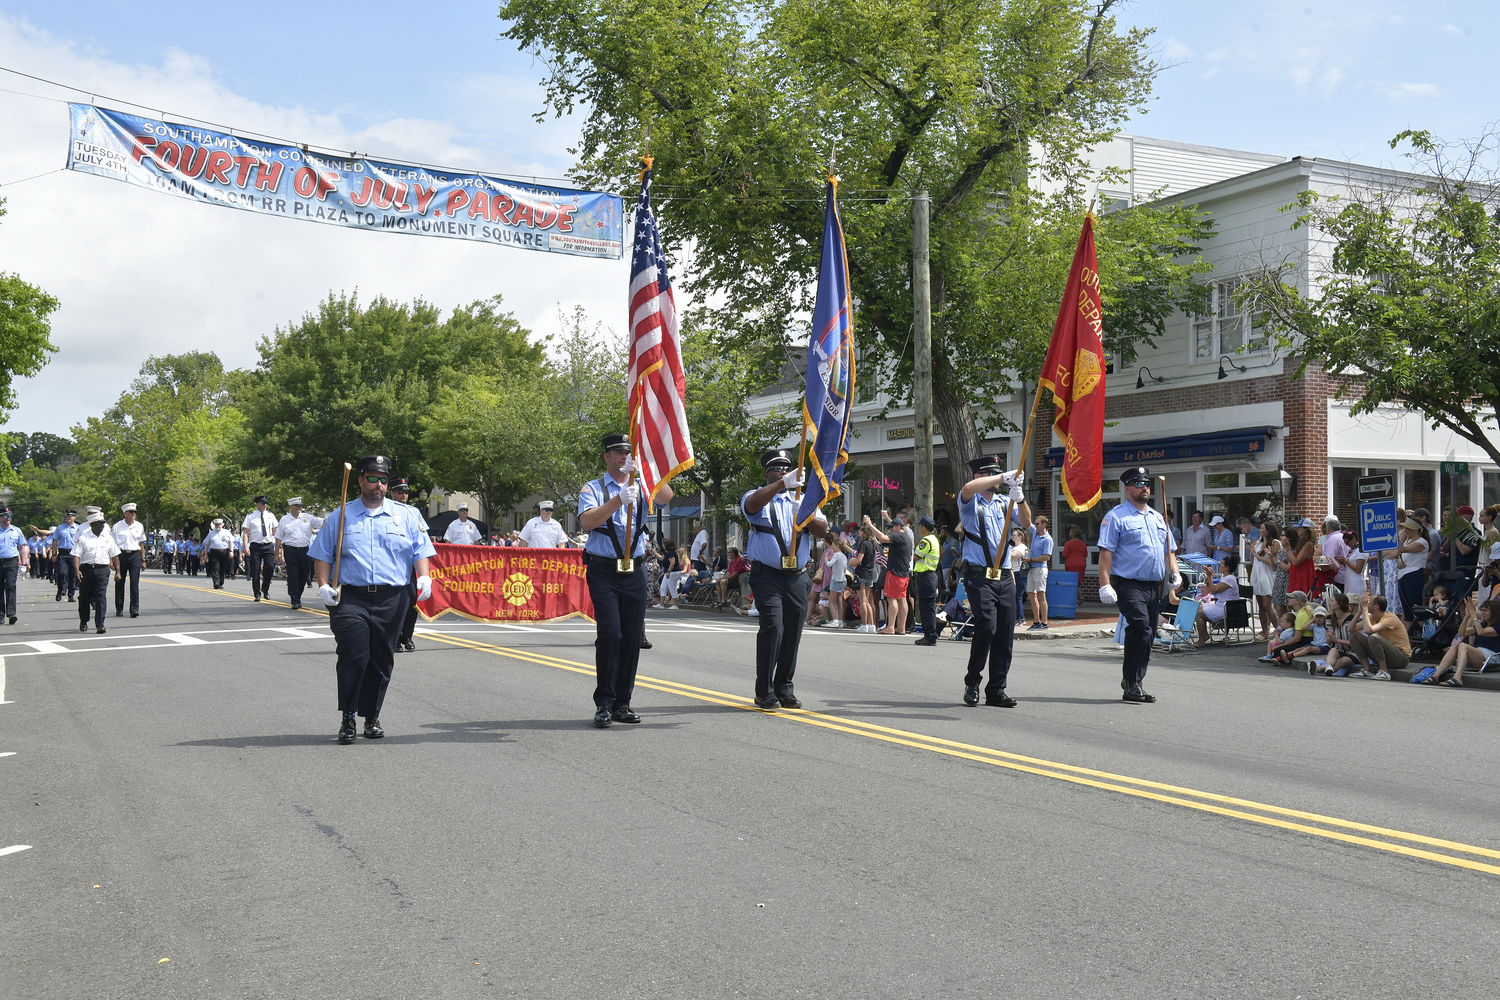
801 462
1021 464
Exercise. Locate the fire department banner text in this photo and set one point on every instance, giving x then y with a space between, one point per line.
355 193
495 584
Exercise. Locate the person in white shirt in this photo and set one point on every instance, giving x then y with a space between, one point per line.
218 545
543 531
699 549
94 555
462 531
258 531
130 537
293 535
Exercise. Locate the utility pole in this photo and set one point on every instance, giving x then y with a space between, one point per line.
921 301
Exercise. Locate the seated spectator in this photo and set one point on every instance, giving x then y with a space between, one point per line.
1216 594
1317 646
1478 639
1381 641
1341 621
735 577
1286 635
1438 602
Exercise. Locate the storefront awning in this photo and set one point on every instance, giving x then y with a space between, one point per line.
1221 444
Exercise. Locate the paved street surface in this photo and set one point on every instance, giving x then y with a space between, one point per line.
191 829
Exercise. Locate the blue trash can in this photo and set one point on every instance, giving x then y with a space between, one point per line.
1062 594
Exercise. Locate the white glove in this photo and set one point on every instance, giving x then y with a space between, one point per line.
792 480
329 595
424 587
1014 481
1176 580
1107 594
630 465
630 494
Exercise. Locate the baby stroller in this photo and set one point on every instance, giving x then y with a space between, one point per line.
1430 633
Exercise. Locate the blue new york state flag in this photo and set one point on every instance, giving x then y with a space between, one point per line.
830 371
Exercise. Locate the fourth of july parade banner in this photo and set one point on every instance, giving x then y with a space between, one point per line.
353 192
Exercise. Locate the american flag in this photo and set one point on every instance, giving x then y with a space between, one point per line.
658 416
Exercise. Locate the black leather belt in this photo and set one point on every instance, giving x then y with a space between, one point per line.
256 545
609 562
299 548
368 588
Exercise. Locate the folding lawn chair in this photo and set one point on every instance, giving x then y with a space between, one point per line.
1235 623
1179 634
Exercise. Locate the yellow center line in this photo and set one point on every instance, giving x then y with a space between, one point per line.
1213 803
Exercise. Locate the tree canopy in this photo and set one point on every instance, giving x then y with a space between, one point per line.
1407 305
987 104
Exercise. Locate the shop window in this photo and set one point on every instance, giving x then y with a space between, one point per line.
1456 492
1222 481
1262 479
1346 494
1491 488
1420 491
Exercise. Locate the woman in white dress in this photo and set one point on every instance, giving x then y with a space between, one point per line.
1263 578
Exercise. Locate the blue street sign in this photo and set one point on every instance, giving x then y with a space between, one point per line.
1377 525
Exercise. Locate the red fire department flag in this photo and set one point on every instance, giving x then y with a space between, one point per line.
1074 371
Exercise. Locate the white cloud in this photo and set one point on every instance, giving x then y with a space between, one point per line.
1412 91
139 273
1451 29
1176 51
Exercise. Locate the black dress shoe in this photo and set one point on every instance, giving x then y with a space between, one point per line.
59 597
135 614
926 640
624 713
645 643
101 630
408 646
257 598
373 730
602 719
119 614
788 700
84 627
348 732
1134 693
769 702
971 695
12 619
1001 700
296 607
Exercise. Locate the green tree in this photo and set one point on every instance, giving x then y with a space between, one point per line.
25 340
980 102
1407 306
722 378
586 389
351 380
40 447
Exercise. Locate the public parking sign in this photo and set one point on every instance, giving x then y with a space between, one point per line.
1377 525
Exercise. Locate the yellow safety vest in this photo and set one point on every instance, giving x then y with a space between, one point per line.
927 555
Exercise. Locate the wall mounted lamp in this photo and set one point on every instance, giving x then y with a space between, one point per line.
1222 373
1140 377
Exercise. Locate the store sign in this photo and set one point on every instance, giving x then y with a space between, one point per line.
883 484
1377 525
1455 468
1219 445
1377 487
901 434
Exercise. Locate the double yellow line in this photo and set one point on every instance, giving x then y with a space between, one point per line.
1247 810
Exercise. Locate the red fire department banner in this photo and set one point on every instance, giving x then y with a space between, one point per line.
494 584
1074 371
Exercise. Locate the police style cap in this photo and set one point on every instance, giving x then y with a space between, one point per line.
545 505
610 442
262 498
379 464
95 517
1138 476
294 502
398 485
127 508
463 506
776 456
986 463
70 512
927 523
4 512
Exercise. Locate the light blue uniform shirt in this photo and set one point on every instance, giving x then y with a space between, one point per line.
597 493
11 540
1137 540
65 533
187 547
1041 545
993 512
169 546
762 548
380 545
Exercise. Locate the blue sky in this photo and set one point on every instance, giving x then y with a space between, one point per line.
436 83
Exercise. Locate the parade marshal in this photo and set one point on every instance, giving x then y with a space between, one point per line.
778 577
611 511
1134 558
377 545
991 588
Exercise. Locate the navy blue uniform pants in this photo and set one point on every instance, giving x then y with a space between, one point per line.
927 589
993 603
10 571
130 572
93 588
298 570
620 621
1140 603
67 576
365 628
262 565
408 623
218 565
781 598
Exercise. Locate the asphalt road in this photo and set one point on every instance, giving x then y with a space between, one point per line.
192 830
